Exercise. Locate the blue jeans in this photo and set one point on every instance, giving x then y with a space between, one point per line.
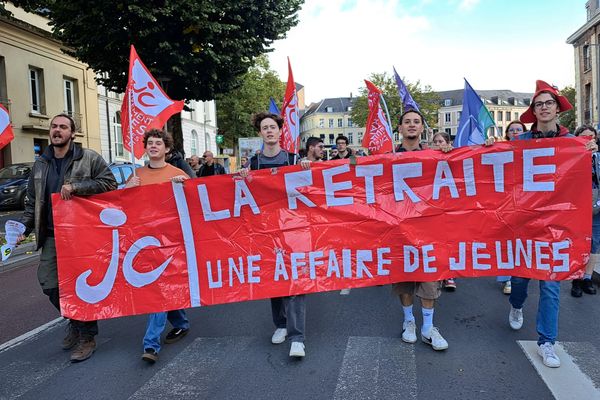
547 315
596 233
156 325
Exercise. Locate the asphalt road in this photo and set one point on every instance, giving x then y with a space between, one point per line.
353 348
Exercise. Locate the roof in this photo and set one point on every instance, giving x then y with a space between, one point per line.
337 104
595 20
490 97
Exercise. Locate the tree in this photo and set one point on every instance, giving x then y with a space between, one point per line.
568 119
427 99
196 49
235 108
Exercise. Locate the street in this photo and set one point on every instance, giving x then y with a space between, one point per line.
353 349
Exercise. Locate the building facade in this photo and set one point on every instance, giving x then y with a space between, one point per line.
38 81
504 105
586 44
329 119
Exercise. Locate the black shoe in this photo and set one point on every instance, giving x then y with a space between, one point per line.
150 356
576 288
588 287
175 335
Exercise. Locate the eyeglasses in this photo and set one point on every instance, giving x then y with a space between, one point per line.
547 103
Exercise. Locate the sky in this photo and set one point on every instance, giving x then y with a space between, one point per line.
494 44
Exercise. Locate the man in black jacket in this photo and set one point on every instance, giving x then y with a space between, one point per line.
70 170
210 166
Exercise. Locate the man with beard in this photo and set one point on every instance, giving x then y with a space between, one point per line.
314 149
70 170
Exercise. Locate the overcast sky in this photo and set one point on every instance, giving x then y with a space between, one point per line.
495 44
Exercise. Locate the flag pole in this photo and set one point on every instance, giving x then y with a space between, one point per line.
130 104
387 113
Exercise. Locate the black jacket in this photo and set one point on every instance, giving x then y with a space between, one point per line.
176 160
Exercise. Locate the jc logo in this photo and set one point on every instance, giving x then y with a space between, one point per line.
94 294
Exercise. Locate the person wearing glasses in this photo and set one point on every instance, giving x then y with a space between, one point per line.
514 130
543 112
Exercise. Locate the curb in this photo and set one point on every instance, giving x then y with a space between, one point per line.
21 254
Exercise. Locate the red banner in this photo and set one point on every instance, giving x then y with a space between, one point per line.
521 208
6 132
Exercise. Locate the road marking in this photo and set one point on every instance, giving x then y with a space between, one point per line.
19 377
568 381
377 368
345 292
194 372
31 334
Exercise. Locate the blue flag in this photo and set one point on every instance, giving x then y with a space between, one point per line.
273 109
408 103
475 120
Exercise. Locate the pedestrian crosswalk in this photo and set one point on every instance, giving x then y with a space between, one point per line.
570 381
368 367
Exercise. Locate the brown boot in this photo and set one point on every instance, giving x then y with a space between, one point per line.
84 350
71 339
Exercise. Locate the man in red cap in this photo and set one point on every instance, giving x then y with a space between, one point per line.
543 112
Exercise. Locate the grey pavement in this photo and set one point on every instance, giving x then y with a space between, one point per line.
353 348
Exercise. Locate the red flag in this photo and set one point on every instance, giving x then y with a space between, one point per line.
145 105
290 133
6 132
378 135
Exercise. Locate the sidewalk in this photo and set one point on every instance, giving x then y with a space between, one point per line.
20 255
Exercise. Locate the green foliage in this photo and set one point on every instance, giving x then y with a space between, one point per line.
198 49
235 108
568 119
427 99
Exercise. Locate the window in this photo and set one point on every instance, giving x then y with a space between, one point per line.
331 138
36 87
331 122
194 144
448 119
447 102
448 131
118 135
322 136
500 131
458 113
322 123
350 136
69 94
329 109
340 122
360 136
350 123
587 59
3 94
492 114
396 137
507 116
206 139
516 116
499 115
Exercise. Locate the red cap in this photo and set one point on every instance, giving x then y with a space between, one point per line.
542 87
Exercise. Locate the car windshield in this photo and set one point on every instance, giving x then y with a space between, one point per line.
14 171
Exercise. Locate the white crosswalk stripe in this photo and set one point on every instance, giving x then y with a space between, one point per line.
578 376
377 368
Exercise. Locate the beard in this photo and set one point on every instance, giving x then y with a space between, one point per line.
62 143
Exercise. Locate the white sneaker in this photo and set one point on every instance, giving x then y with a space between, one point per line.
435 339
297 349
507 288
409 333
279 336
515 318
549 357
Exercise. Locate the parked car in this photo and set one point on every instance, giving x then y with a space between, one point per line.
122 171
13 185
